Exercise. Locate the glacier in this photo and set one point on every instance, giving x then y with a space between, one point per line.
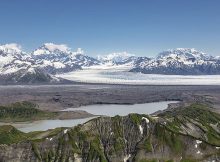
121 75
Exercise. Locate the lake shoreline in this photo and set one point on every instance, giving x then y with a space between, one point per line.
56 98
117 109
100 110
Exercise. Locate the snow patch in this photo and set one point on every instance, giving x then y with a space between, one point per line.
40 52
198 141
53 47
114 57
49 48
11 48
32 71
77 158
5 60
126 158
141 129
58 65
47 63
146 119
65 131
10 70
79 51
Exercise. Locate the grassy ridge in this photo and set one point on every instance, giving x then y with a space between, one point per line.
9 134
23 111
198 115
86 140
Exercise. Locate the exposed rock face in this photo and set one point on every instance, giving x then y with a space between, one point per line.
31 76
170 136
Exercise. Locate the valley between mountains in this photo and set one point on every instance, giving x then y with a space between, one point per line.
57 63
42 84
187 131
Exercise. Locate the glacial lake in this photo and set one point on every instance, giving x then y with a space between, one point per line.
122 110
103 109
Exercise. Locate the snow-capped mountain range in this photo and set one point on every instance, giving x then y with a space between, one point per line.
49 59
180 61
116 58
59 58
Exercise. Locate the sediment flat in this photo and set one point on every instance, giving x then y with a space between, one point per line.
59 97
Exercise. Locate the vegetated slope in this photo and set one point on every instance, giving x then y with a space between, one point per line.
27 112
185 134
23 111
9 134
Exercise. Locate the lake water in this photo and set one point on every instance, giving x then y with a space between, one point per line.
108 110
114 109
43 125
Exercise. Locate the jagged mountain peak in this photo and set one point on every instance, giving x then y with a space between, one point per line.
79 51
217 57
11 48
30 75
51 48
59 58
56 49
11 55
187 53
115 57
180 61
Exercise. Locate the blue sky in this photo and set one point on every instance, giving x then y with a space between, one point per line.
142 27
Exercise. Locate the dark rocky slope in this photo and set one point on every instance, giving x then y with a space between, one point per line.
31 76
184 134
181 69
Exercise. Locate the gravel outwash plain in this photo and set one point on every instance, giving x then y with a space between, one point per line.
58 97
